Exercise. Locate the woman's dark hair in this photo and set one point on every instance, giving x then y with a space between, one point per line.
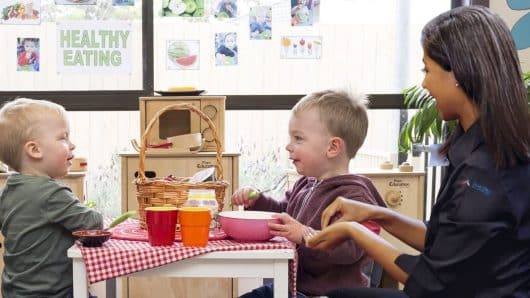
476 44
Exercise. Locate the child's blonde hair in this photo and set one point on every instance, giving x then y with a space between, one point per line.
19 121
343 113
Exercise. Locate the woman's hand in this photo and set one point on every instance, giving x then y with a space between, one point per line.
331 237
290 228
241 197
346 210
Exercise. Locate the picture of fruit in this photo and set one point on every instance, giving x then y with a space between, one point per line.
187 61
178 49
183 54
286 41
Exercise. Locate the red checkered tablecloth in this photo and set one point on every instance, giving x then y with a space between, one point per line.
120 257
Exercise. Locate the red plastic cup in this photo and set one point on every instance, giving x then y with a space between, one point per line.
195 225
161 223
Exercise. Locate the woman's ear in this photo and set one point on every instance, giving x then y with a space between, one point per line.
336 146
32 149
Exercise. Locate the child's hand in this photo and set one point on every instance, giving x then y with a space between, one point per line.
241 197
332 236
290 228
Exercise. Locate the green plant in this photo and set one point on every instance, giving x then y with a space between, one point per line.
426 122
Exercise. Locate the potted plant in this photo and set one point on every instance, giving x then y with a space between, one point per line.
426 122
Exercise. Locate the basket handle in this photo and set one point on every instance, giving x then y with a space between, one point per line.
180 106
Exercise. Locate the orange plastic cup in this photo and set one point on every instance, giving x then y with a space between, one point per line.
194 225
161 223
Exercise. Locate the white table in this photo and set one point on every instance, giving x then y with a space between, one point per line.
267 263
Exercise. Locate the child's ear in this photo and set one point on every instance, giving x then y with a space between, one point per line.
336 146
33 150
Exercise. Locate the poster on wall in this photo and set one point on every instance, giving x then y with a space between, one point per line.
23 12
260 22
28 54
516 14
179 8
305 12
225 9
90 47
301 47
226 48
183 54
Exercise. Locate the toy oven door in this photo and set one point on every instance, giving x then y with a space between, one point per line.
171 122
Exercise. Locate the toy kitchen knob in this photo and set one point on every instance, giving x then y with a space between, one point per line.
393 198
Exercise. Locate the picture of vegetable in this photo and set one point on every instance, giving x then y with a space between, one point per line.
182 8
20 11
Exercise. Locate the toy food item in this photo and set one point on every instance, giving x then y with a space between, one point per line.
182 88
122 218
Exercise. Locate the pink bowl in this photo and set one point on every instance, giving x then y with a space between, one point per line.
247 225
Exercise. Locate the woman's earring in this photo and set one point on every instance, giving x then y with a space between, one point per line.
457 85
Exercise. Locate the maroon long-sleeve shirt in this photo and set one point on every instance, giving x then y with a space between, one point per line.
322 271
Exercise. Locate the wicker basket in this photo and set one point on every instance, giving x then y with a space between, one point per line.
160 192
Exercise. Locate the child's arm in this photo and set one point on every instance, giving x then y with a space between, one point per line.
63 208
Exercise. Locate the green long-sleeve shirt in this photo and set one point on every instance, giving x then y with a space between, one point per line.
37 217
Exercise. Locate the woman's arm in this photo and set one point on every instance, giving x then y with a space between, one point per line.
376 247
408 230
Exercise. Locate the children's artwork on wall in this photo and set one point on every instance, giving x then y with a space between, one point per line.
301 47
87 47
183 54
182 8
260 22
225 9
28 54
304 12
226 48
123 2
20 12
75 2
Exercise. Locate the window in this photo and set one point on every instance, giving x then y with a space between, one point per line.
371 45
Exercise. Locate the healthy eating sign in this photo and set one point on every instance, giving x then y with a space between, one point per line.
86 47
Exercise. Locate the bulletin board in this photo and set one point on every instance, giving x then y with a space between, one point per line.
222 46
279 48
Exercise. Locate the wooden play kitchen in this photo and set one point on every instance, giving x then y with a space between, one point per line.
204 114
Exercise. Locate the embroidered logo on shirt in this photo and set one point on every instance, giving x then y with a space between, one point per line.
476 186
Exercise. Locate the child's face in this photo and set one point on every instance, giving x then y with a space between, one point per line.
260 17
302 2
29 46
56 147
309 141
230 41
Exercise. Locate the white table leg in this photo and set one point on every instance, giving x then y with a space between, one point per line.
80 278
281 278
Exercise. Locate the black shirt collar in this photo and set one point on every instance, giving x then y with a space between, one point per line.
464 142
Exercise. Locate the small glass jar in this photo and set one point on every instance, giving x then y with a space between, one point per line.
204 198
